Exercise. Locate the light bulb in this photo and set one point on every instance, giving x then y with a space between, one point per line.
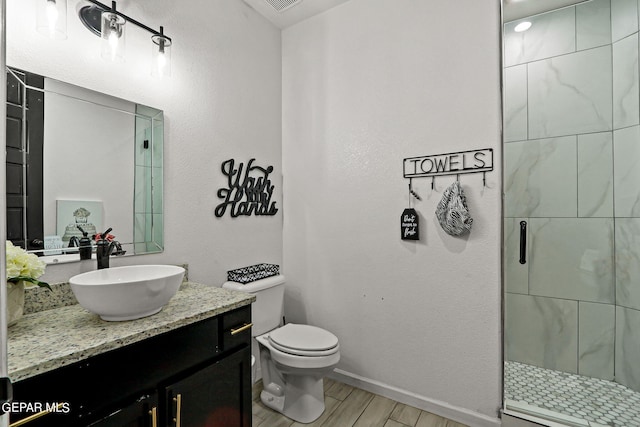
161 54
161 63
523 26
51 19
113 39
52 15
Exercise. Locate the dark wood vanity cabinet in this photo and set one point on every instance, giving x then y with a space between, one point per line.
196 376
141 413
211 396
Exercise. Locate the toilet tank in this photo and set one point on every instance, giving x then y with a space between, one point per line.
266 311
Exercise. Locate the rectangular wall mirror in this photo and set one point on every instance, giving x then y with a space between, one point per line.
76 157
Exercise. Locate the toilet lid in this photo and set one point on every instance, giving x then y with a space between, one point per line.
303 340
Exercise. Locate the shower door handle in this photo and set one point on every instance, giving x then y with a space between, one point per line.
523 242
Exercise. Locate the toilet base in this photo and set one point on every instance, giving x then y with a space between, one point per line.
302 399
293 384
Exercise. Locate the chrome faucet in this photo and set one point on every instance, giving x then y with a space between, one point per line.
105 248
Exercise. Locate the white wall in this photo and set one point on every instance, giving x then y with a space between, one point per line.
365 85
222 101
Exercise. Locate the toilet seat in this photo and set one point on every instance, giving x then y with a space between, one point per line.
286 359
304 340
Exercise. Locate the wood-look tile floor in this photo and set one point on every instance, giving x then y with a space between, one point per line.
348 406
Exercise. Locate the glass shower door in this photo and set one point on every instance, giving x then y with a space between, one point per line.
572 214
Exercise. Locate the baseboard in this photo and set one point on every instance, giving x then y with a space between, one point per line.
437 407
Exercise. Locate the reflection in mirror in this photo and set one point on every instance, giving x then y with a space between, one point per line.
81 161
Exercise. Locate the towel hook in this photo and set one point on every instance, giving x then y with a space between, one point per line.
413 193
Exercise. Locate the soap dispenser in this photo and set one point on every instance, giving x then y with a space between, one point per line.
84 244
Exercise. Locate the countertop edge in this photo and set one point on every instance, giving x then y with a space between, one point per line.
181 311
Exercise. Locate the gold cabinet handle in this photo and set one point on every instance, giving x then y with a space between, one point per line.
178 400
33 417
154 416
241 328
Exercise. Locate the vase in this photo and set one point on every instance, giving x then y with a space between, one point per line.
15 302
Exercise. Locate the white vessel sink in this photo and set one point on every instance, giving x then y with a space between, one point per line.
127 293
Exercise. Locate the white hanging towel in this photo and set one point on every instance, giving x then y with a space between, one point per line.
452 211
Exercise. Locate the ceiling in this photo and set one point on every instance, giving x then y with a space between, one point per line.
516 9
302 10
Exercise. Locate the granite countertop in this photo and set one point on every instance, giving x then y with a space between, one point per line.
50 339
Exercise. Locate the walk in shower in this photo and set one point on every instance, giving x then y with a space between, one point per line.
572 214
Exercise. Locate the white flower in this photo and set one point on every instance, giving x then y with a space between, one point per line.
23 266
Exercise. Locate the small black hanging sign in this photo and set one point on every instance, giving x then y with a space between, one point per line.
409 227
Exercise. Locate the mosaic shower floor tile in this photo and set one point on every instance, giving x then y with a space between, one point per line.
598 402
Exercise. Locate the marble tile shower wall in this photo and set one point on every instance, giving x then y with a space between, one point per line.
572 168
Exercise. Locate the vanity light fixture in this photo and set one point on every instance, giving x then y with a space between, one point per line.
51 18
160 55
112 34
523 26
109 24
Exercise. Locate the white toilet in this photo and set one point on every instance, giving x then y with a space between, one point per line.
294 358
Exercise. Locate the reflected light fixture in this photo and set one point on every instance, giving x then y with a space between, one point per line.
51 19
523 26
109 24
